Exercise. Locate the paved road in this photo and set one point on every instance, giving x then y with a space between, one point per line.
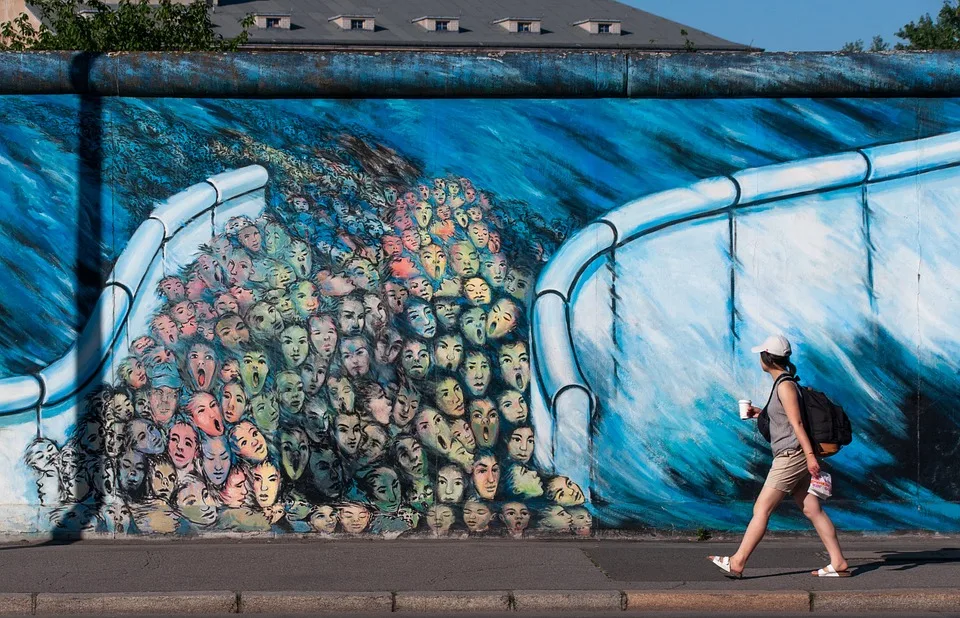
490 564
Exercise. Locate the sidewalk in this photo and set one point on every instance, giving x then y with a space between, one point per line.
275 576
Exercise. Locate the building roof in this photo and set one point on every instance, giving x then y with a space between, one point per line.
310 25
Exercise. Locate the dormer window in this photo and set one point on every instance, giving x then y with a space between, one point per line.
354 22
600 26
438 23
272 21
520 24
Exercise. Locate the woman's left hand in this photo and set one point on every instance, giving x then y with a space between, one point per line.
813 466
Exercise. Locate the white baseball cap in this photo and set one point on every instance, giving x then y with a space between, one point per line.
774 344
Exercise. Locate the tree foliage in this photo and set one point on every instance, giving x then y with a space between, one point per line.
925 33
130 25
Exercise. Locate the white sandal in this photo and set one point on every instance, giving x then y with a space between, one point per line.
723 563
829 571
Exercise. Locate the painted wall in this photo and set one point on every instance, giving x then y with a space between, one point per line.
367 320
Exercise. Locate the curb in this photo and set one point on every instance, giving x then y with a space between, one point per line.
453 602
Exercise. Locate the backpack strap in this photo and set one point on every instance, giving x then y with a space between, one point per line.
776 383
804 417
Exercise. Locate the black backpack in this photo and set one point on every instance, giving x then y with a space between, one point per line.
827 425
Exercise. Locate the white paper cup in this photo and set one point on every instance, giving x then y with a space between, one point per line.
744 408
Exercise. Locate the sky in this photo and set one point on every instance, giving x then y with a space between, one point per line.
793 25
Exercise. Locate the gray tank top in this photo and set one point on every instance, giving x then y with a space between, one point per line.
782 436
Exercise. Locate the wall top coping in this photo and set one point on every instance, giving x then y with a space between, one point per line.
478 73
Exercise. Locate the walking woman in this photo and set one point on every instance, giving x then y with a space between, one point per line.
794 462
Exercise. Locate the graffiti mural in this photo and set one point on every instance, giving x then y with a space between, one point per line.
471 318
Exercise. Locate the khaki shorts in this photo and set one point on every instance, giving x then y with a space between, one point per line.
789 470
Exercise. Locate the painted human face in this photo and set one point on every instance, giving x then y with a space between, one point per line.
374 313
247 442
524 482
202 366
410 457
405 406
233 402
299 259
477 516
494 270
91 438
250 238
341 393
133 471
275 240
476 373
392 245
163 479
502 319
120 408
486 476
183 445
165 329
265 320
421 287
350 318
113 438
326 473
280 275
515 365
478 233
208 270
477 291
305 299
463 433
313 373
235 490
239 267
516 518
346 428
518 284
494 243
513 407
355 356
421 494
402 221
290 391
233 331
440 518
475 213
133 372
462 219
520 445
216 459
564 491
146 437
142 344
172 288
354 518
473 325
226 304
449 397
415 359
439 196
464 259
324 519
485 422
411 240
253 371
230 371
450 484
447 311
315 418
448 352
385 490
163 403
196 504
266 483
396 296
434 261
388 347
265 411
373 444
294 345
421 319
433 431
243 295
582 520
323 335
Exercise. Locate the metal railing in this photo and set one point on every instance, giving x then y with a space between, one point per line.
68 375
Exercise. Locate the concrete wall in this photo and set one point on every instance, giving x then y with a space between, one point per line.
345 309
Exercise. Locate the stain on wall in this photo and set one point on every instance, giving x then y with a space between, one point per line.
355 355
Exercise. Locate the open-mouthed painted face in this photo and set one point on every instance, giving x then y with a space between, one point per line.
165 329
502 319
434 261
216 459
280 275
473 325
202 365
485 422
298 257
516 517
433 431
515 365
396 296
254 370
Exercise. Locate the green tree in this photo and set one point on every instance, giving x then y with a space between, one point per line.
925 33
130 25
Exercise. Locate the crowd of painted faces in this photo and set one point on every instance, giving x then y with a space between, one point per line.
328 368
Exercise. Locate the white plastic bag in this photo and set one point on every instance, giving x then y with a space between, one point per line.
821 486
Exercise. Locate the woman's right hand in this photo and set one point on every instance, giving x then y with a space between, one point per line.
813 466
